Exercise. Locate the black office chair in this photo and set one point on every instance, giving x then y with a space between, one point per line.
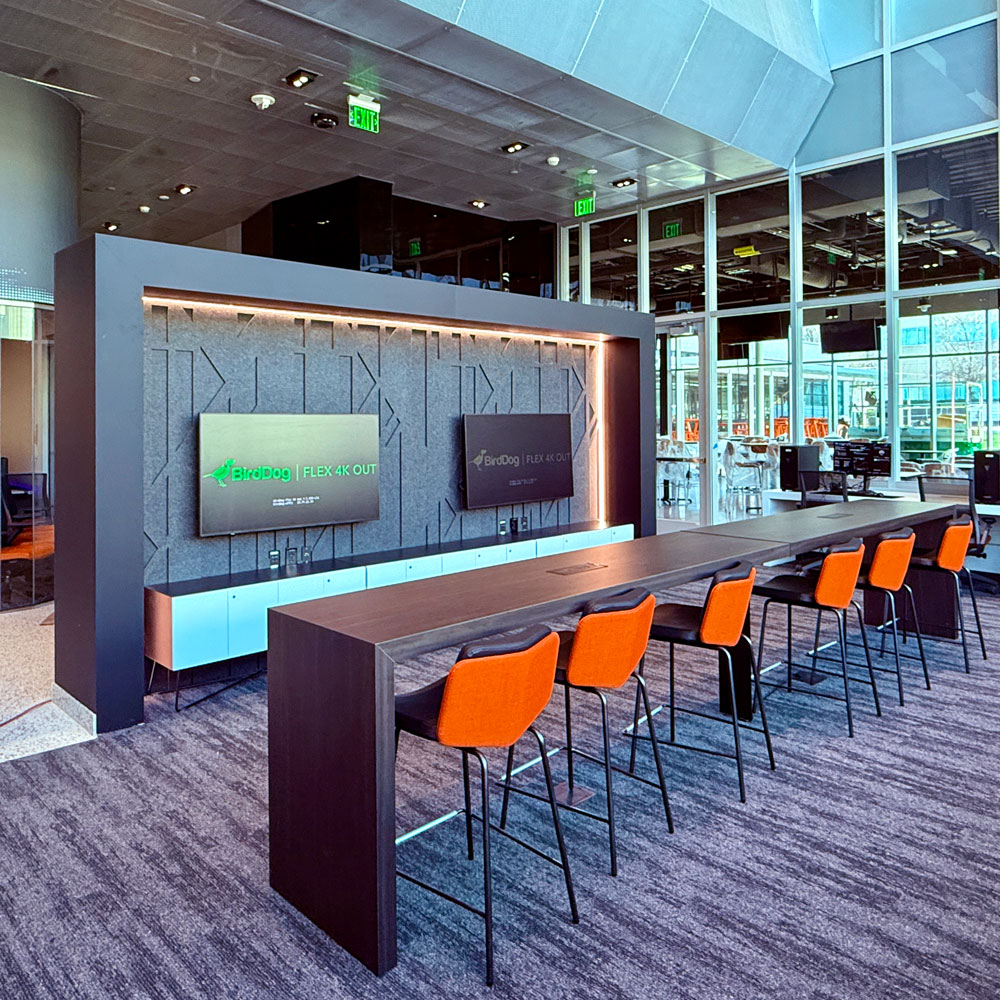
961 491
816 488
18 505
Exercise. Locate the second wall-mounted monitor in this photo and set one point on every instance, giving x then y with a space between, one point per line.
517 458
849 335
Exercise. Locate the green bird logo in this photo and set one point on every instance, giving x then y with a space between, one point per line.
221 474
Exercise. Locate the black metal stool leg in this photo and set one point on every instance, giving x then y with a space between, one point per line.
506 788
555 822
736 723
916 632
755 667
961 621
868 655
819 619
487 871
891 600
760 639
607 780
788 646
975 610
569 740
635 723
885 616
468 804
842 633
656 754
673 724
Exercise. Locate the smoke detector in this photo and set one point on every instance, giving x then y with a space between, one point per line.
552 161
262 101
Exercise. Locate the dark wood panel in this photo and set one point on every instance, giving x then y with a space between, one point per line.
332 785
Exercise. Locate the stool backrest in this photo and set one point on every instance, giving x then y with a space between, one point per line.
954 544
838 576
891 559
498 688
610 640
726 606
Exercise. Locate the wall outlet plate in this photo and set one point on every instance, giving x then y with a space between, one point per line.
291 555
513 525
306 555
503 528
274 558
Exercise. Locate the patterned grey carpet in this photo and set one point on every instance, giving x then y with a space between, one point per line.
136 866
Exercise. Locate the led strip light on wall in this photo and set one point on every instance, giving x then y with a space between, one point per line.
422 323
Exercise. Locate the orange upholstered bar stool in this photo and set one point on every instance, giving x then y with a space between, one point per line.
831 590
600 655
490 698
717 625
949 558
887 576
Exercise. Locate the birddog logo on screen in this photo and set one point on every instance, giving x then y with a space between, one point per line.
242 474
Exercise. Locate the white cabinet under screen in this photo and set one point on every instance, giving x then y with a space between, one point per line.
186 631
387 573
344 581
248 607
516 551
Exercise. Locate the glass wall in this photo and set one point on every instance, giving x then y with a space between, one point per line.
614 271
843 392
915 266
753 246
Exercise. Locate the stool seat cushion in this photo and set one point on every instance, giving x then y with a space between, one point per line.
788 587
676 623
417 711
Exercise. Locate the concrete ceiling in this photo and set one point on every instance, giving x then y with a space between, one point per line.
146 128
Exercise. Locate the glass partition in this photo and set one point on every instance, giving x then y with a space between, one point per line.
574 264
677 259
849 28
948 393
753 245
913 18
614 271
843 392
948 213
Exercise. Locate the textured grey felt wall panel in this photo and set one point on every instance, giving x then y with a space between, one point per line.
418 380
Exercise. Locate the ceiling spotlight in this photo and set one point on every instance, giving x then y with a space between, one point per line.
145 209
163 197
194 79
184 188
832 314
623 182
262 101
323 119
111 226
591 171
300 78
515 147
552 161
478 203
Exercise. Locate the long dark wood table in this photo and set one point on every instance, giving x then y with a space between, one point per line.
330 690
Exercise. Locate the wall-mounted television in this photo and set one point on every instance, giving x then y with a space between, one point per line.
752 328
517 458
845 335
269 471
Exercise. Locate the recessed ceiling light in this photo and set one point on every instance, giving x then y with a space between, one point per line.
832 314
515 147
322 222
623 182
163 197
184 188
323 119
300 78
111 226
145 209
194 79
478 203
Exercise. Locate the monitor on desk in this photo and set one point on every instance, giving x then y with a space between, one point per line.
863 458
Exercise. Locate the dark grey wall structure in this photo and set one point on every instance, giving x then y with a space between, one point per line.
418 380
39 177
100 387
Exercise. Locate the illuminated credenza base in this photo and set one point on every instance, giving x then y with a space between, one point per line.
204 621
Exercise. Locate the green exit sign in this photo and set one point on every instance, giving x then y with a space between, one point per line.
671 229
585 205
414 248
363 113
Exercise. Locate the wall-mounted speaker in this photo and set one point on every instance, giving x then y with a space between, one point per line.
987 476
796 458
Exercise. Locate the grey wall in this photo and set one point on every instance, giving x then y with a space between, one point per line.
419 380
39 171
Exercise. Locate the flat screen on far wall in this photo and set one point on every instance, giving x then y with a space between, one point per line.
267 471
842 336
517 458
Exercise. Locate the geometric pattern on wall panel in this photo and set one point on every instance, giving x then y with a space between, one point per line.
418 380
